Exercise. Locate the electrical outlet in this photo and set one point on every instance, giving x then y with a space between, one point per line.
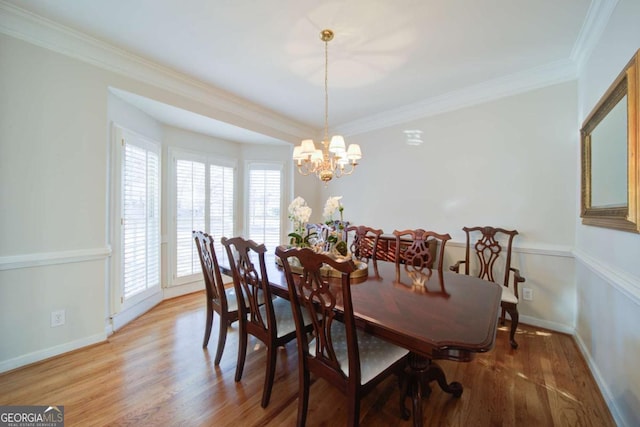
527 294
57 318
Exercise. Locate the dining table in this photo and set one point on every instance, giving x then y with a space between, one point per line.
436 315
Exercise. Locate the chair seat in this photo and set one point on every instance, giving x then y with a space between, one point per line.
376 355
284 316
232 301
508 295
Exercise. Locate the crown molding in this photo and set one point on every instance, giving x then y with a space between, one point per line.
593 26
40 31
525 81
561 71
51 35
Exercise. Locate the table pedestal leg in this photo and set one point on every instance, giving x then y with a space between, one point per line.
421 372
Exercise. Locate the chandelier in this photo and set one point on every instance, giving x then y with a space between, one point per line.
333 160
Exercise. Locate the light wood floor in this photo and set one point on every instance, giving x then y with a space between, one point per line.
154 372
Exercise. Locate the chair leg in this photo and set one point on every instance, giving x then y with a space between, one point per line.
207 327
353 411
222 339
242 351
269 374
513 314
303 398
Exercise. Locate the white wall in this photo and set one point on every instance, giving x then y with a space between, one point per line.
508 163
55 118
607 267
53 175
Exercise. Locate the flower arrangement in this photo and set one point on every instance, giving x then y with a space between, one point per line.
330 207
299 214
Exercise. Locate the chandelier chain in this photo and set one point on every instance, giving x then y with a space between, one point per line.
326 91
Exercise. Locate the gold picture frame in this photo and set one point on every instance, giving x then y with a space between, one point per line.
611 197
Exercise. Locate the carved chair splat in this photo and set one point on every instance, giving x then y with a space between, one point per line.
219 299
489 253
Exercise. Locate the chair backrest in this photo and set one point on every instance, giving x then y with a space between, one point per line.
319 296
250 282
364 242
485 243
210 268
413 249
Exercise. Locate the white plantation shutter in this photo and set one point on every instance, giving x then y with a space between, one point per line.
204 200
221 205
140 254
264 214
190 214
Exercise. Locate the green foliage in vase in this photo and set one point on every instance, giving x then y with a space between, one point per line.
341 248
299 241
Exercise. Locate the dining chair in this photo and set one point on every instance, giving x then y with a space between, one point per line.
416 249
493 258
221 299
348 358
364 243
262 315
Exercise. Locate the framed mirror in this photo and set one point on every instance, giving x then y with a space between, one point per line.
610 138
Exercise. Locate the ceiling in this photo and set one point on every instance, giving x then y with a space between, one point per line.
386 54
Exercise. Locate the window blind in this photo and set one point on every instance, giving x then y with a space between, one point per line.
140 218
190 214
204 201
264 206
221 206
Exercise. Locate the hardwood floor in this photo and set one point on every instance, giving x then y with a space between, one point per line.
155 372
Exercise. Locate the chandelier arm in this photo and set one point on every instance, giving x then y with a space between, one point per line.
303 172
345 170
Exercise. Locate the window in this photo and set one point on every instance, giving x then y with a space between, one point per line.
204 200
139 215
190 214
221 212
265 204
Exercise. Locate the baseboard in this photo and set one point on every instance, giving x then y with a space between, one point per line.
37 356
188 288
120 319
602 385
553 326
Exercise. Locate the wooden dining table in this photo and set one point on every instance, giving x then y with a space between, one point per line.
436 316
